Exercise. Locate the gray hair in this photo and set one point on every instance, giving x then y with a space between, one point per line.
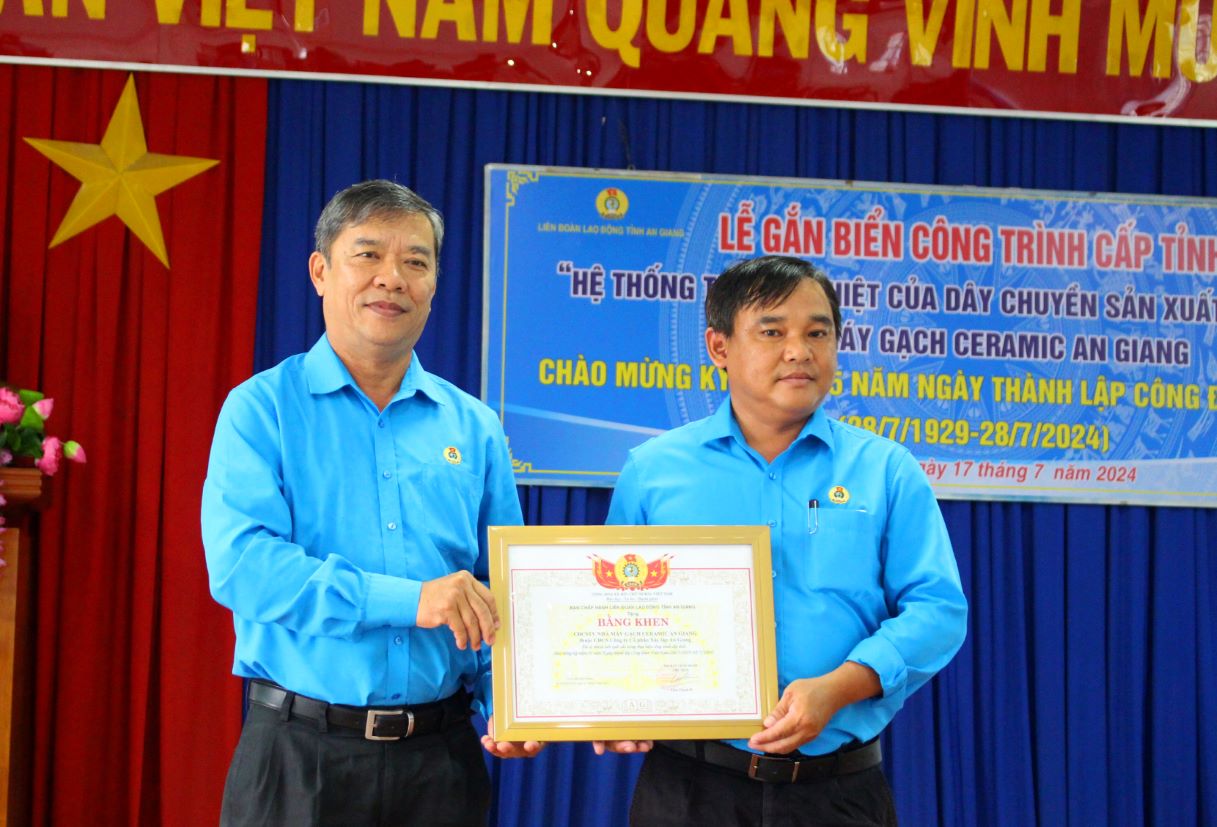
372 199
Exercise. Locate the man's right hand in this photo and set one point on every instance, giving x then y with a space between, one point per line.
461 603
622 747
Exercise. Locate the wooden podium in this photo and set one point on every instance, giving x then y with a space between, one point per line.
26 491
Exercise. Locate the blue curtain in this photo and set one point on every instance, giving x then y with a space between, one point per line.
1086 693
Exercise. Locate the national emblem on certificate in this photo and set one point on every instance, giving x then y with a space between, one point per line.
632 632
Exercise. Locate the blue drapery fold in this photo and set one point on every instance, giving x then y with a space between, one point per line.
1087 688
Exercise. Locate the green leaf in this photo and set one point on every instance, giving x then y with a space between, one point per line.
29 445
30 397
30 419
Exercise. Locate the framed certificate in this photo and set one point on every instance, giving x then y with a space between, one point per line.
632 632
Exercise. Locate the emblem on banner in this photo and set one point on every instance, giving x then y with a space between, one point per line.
630 572
611 203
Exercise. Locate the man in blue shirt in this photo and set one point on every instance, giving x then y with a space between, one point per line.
344 518
867 597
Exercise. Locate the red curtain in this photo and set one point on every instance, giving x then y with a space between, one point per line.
136 710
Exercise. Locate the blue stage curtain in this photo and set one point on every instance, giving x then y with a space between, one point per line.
1087 689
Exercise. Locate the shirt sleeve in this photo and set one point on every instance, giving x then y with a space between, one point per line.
921 583
500 506
626 505
253 567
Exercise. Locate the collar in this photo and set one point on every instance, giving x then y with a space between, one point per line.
325 373
722 425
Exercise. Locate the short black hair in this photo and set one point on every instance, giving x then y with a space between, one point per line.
763 282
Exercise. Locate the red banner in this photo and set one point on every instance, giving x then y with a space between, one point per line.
1138 59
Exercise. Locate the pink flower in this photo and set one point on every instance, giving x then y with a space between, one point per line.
11 408
44 407
74 451
52 453
6 456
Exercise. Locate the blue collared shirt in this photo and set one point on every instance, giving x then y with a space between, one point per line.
323 516
862 564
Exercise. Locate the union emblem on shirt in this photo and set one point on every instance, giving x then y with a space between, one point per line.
630 572
838 494
452 454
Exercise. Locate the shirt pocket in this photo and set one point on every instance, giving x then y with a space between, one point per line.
441 502
843 552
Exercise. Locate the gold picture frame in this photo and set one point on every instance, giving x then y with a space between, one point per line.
632 632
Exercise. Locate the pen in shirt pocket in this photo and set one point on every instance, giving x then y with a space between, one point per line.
813 516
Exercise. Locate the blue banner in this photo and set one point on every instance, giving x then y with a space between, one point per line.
1023 345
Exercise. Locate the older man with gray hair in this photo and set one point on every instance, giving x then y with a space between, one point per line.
344 519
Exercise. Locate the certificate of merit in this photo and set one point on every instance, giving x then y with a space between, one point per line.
632 632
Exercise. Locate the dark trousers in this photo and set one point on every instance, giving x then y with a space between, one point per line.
676 791
289 773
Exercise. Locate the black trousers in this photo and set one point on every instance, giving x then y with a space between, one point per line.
677 791
289 773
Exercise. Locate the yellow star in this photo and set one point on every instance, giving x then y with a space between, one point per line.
119 176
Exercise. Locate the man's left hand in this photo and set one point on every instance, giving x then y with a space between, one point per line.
804 709
808 704
509 749
461 603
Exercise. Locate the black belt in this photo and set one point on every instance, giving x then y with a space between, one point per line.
375 723
848 759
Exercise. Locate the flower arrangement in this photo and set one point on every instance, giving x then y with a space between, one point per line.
23 416
23 437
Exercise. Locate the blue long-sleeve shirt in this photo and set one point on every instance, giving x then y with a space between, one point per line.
862 564
322 517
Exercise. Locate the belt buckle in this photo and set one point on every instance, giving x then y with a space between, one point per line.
374 715
754 763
